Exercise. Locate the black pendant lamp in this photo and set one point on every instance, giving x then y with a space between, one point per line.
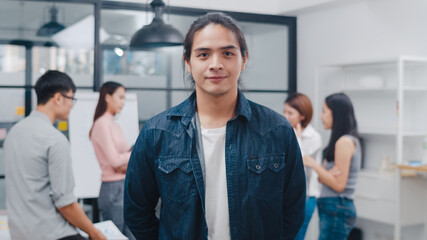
51 27
157 33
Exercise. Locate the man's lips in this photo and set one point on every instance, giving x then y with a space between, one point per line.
215 77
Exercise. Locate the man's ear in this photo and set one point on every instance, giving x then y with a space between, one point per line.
245 60
57 98
187 64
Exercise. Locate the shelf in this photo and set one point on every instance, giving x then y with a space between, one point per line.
414 133
414 88
386 90
378 89
380 61
362 62
387 132
392 132
370 174
375 90
415 59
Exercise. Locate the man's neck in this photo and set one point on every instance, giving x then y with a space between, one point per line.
215 111
45 109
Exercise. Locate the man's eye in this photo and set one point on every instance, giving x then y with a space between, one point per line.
203 55
228 54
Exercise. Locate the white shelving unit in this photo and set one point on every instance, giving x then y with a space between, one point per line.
390 99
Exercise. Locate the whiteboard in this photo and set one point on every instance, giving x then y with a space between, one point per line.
87 173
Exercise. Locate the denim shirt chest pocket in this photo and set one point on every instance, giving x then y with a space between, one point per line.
177 180
265 175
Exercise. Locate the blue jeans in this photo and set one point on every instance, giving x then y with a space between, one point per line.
336 217
310 205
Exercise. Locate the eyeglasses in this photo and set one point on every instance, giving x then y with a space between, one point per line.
72 98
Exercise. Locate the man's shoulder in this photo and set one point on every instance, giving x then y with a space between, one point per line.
165 120
33 128
266 118
156 121
266 111
170 116
24 126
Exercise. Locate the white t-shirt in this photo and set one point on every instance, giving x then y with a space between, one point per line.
310 144
216 200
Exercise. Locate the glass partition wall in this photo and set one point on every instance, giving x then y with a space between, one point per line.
93 48
25 55
158 74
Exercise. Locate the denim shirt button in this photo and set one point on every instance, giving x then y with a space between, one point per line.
258 167
276 165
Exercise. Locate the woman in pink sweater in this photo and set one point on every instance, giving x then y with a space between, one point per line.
112 151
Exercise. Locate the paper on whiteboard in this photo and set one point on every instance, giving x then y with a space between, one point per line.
4 229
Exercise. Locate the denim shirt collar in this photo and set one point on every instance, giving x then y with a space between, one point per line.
186 109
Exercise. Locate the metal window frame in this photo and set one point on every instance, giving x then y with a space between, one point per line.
100 5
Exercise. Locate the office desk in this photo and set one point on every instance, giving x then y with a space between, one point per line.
422 168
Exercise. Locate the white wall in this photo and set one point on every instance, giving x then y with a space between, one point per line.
359 30
294 7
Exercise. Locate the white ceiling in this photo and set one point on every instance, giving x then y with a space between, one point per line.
21 19
276 7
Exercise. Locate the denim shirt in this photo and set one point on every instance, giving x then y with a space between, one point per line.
264 170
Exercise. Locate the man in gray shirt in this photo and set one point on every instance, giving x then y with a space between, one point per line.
39 179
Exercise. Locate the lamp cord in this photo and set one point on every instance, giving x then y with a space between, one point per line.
146 12
21 27
167 10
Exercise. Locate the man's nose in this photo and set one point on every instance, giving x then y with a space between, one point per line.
216 63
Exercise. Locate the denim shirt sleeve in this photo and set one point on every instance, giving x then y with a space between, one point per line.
141 193
295 190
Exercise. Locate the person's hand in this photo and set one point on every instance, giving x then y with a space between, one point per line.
335 171
308 161
97 235
121 169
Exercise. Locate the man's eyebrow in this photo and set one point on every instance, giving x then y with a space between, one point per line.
208 49
201 49
229 47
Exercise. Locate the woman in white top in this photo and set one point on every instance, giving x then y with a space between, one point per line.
299 111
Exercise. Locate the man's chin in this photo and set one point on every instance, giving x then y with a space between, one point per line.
63 118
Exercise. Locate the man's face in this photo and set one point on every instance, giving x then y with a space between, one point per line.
65 105
216 61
